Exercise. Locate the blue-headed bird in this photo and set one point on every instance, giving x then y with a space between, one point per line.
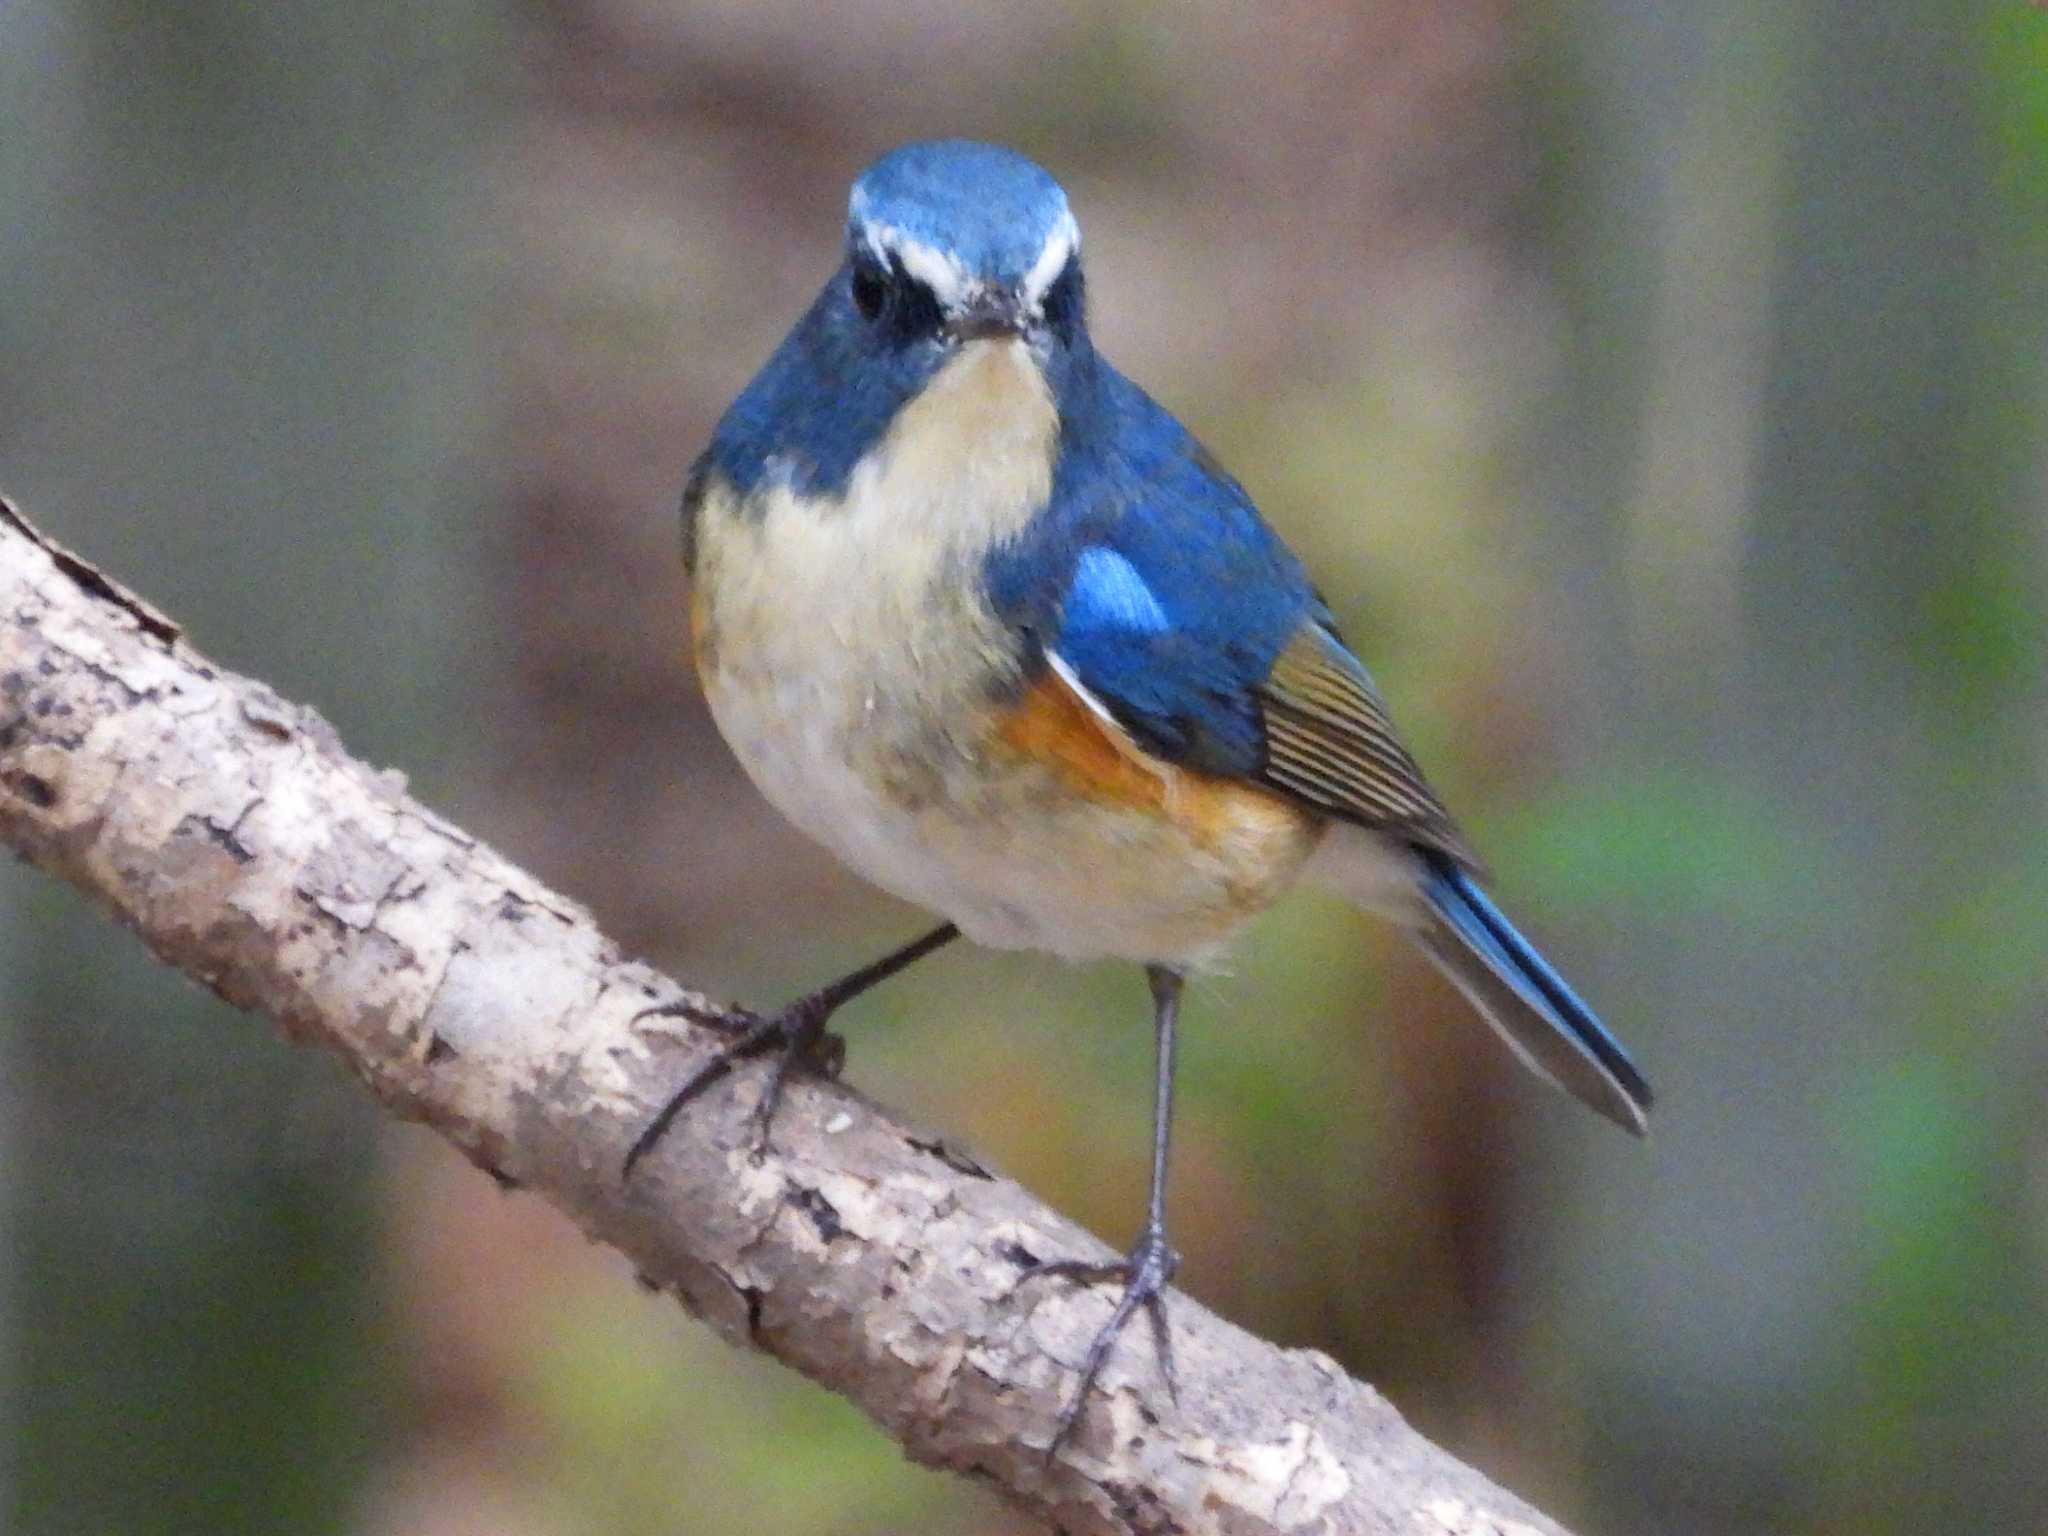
985 620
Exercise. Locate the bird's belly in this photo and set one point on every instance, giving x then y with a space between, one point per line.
809 738
1040 867
947 808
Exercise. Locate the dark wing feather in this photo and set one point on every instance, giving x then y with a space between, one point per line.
1330 743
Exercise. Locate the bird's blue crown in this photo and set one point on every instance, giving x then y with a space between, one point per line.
985 212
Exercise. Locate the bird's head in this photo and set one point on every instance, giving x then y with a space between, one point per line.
951 241
957 253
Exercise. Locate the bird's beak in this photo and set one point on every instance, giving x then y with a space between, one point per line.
990 315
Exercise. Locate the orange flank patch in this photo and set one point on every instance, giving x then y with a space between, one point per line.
1049 725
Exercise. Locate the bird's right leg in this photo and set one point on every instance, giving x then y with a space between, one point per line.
1149 1267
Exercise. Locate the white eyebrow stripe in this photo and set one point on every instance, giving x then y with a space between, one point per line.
1059 246
1108 590
938 270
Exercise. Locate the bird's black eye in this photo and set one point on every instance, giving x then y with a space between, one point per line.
902 308
1062 306
870 290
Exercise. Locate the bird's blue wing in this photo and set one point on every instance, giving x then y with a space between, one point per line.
1155 583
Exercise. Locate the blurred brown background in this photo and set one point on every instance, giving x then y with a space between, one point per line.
1657 392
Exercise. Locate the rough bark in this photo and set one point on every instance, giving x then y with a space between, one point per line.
231 832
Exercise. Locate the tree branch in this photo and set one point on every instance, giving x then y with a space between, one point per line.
231 832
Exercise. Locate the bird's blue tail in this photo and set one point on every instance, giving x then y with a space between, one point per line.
1519 993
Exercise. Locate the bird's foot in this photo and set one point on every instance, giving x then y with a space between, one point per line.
796 1036
1145 1272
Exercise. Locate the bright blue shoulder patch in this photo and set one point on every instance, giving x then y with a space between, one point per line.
1108 591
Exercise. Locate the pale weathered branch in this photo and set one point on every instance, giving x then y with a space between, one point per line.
230 831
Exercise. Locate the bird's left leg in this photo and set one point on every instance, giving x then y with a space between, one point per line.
796 1034
1148 1268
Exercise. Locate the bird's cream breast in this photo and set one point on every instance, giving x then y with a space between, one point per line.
964 465
842 641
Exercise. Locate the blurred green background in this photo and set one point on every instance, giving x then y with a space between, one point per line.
1658 392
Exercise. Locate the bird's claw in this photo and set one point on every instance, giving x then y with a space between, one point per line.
795 1035
727 1021
1145 1271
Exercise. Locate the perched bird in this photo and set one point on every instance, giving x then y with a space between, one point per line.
985 620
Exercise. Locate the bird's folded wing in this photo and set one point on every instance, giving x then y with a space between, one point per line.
1329 742
1224 669
1163 596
